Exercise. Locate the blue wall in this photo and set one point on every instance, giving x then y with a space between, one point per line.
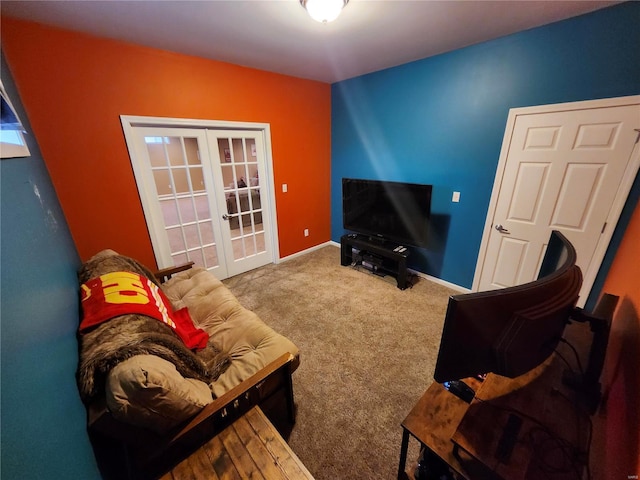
43 420
441 120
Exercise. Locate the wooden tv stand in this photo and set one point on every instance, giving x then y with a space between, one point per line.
379 251
466 437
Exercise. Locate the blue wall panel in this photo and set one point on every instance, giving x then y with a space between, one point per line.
441 120
43 420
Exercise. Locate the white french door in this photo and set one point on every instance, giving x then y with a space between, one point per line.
202 195
238 159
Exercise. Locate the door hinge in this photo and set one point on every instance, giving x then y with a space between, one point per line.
638 137
603 228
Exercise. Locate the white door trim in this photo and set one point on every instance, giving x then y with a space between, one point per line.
131 121
618 203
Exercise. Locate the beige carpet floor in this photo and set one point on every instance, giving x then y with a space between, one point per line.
368 352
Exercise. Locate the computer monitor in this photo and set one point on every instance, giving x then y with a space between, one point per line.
512 330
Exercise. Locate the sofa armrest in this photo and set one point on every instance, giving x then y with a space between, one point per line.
151 455
221 413
165 274
240 399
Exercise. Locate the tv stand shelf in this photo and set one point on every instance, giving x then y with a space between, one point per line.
394 263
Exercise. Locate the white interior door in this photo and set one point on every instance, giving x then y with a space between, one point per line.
566 170
238 163
203 197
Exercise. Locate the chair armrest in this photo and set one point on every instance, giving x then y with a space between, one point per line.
165 274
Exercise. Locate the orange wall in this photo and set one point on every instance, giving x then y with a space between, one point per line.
617 427
75 87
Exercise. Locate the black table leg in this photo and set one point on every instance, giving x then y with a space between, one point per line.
403 455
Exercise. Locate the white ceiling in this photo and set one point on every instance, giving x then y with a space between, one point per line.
279 36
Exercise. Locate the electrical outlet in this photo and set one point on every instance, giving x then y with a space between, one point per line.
284 188
306 232
456 197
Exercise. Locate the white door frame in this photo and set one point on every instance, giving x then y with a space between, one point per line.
618 203
129 122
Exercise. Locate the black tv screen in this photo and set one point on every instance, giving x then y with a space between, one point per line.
393 211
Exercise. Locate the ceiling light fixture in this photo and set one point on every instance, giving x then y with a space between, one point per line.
324 11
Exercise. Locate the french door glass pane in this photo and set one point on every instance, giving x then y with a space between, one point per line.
169 211
176 240
186 208
211 255
162 181
206 230
184 201
239 168
192 235
191 147
179 258
197 179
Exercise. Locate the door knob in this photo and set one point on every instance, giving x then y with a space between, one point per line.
227 216
501 229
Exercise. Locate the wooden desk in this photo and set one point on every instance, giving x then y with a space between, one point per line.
465 436
249 448
433 422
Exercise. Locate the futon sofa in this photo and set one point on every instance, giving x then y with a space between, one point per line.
149 391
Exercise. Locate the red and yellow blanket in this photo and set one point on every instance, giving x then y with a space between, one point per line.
123 293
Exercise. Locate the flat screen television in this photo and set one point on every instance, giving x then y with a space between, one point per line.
392 211
512 330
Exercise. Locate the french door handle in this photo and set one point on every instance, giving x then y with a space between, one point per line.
226 216
501 229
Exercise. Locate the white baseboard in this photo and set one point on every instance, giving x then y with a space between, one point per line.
439 281
308 250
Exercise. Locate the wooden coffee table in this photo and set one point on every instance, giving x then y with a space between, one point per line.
251 447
